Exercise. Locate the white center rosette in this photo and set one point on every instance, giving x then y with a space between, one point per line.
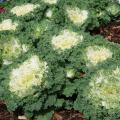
12 49
66 40
7 24
50 1
96 54
23 9
77 16
105 88
30 73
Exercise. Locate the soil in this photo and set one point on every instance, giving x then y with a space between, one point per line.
111 32
68 115
4 113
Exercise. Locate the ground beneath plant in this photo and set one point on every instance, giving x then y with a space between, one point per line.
4 114
112 33
61 115
68 115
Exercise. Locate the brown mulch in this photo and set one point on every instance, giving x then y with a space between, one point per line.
4 113
110 32
68 115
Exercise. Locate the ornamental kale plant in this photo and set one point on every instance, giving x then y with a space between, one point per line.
50 61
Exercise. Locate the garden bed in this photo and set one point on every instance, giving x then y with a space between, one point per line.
112 33
59 60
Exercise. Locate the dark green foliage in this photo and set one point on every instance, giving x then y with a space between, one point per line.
87 106
65 83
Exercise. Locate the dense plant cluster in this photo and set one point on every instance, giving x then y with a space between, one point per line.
49 60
